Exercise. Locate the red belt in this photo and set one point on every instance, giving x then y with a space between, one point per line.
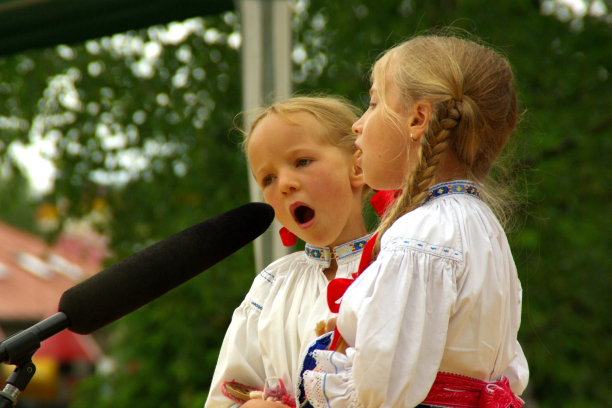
457 391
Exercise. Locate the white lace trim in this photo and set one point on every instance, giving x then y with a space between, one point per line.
331 382
320 342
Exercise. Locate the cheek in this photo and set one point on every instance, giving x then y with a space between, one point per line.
270 199
376 142
324 184
330 185
394 146
369 145
280 213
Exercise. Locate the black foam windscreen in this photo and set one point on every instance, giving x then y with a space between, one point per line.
148 274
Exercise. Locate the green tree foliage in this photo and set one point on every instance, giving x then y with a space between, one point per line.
137 126
176 165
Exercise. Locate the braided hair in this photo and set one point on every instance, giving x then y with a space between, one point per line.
474 109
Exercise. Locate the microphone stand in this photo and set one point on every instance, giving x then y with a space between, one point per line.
18 350
17 382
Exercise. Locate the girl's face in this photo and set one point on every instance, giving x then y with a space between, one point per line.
313 186
384 145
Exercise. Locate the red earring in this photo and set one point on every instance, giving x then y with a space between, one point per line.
288 237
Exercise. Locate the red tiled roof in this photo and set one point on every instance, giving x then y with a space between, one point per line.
25 296
67 347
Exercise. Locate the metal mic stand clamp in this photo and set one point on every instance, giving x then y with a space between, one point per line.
20 354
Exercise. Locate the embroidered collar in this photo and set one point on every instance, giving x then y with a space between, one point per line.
453 188
322 255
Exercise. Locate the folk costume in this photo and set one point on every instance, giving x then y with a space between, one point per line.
433 320
272 327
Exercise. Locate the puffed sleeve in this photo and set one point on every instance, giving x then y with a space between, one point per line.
240 356
518 371
396 318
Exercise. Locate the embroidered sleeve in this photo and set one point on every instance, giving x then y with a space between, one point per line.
240 357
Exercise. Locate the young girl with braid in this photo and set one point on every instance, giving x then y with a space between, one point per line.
433 320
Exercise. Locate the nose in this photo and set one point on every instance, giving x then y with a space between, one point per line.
288 183
357 127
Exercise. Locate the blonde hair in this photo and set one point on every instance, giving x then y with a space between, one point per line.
474 110
335 113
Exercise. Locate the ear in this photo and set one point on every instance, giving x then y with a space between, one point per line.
418 119
356 174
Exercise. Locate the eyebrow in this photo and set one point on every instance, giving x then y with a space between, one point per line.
255 172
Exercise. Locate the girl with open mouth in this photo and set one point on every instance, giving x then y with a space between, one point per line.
302 154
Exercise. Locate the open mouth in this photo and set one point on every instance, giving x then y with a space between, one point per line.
304 214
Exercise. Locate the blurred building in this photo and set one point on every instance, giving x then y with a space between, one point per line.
33 277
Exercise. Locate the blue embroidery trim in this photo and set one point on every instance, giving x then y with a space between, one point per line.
267 276
257 306
324 393
309 363
423 246
452 188
340 252
331 357
318 253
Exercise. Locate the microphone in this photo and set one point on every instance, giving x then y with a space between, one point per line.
145 276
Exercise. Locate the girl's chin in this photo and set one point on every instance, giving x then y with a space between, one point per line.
316 241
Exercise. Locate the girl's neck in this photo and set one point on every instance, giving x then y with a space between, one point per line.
450 169
354 229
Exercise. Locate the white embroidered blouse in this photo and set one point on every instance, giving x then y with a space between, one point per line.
272 327
443 295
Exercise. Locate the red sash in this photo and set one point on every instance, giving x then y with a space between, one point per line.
458 391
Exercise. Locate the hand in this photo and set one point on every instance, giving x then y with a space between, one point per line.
258 403
330 325
325 326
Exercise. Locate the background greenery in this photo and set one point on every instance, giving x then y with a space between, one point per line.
137 126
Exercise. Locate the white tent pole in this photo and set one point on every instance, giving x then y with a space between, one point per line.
266 73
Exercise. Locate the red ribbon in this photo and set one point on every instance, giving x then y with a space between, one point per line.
383 199
458 391
335 291
288 237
